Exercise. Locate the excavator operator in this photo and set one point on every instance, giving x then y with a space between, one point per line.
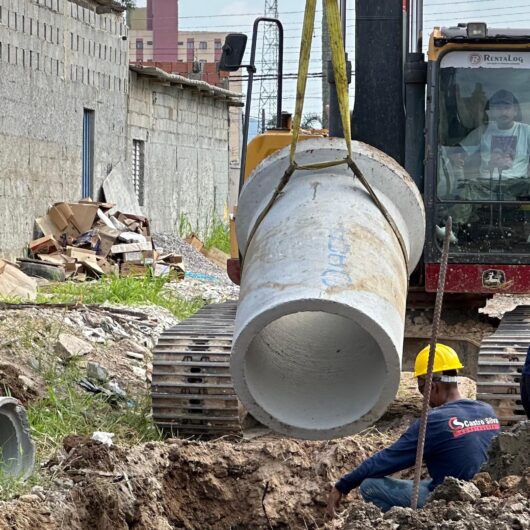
504 149
459 433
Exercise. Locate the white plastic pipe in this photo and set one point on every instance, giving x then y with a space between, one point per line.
319 328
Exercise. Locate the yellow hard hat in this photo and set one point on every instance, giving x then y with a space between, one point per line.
445 358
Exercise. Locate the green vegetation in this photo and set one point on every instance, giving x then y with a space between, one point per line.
120 290
13 486
184 228
67 409
218 236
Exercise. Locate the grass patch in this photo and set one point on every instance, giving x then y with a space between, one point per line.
184 228
11 487
218 236
120 290
67 409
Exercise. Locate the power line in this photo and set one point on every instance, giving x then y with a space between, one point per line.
282 13
316 75
426 11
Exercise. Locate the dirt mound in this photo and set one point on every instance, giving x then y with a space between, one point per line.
486 514
22 515
88 454
510 452
266 482
481 504
262 483
500 304
18 384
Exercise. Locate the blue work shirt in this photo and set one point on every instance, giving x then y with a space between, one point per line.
526 367
458 436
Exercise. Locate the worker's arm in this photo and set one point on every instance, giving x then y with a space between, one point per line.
401 455
472 143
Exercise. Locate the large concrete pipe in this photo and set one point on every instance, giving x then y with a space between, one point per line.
319 327
18 449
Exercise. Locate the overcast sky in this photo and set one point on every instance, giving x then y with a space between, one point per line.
238 15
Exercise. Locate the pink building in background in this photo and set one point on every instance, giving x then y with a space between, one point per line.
162 19
156 39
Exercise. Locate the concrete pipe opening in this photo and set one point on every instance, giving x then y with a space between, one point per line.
318 334
17 456
315 373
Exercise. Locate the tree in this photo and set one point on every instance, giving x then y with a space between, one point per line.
311 121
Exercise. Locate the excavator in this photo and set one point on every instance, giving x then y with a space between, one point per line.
439 118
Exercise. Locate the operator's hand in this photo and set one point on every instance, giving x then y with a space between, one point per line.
334 499
501 160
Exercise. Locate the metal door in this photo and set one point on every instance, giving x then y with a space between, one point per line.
88 154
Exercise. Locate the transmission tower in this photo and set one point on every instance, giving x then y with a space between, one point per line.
268 68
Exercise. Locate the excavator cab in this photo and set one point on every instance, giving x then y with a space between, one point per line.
477 170
477 157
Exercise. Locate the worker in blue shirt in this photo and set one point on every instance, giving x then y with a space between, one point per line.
459 433
525 385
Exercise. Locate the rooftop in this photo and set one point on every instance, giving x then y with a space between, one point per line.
180 81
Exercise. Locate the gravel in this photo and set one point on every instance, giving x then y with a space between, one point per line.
212 292
500 304
195 264
203 278
143 324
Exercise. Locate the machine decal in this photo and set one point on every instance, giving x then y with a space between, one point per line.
486 59
494 279
479 278
475 59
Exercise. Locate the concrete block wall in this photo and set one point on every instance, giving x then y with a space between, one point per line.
186 152
56 58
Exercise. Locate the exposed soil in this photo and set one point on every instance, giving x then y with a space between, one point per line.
502 303
203 485
268 482
510 452
488 513
18 383
261 482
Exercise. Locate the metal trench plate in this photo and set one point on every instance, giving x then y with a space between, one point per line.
500 362
192 390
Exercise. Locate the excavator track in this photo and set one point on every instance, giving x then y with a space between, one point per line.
192 390
500 362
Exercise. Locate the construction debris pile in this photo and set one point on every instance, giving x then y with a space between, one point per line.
89 239
110 339
15 284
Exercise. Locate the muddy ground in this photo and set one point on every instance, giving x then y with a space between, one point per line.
254 481
260 483
267 482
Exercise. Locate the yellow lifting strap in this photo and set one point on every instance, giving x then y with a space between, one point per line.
338 59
